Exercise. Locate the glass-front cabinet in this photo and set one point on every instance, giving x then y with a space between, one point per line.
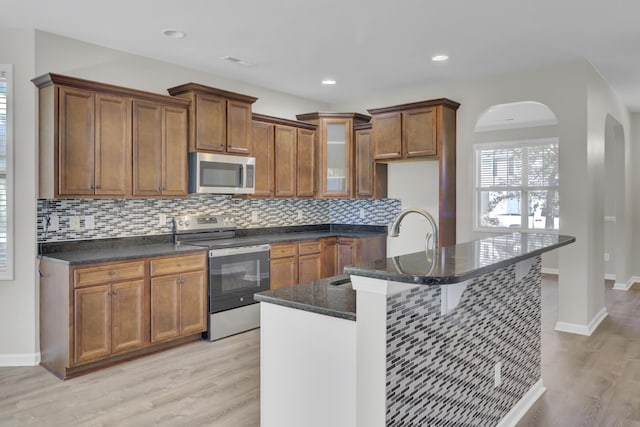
336 155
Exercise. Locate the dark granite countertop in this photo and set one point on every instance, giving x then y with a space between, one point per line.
457 263
104 254
118 249
332 296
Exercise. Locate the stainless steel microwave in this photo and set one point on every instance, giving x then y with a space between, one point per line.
221 174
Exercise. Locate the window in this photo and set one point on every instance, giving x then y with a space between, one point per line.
517 185
6 179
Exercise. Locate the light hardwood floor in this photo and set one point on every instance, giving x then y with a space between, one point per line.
591 381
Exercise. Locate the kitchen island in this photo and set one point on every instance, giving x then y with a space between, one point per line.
448 337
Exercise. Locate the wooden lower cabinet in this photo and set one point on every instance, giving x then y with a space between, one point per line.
178 305
329 248
293 263
92 316
351 251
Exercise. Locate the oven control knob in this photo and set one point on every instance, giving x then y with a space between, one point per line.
180 223
241 298
187 222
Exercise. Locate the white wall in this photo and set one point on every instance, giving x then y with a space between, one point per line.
62 55
18 297
578 97
421 193
34 53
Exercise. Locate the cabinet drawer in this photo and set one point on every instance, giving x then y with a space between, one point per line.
305 248
178 264
282 251
108 273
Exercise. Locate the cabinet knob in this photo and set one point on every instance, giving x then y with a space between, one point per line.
114 293
179 264
112 273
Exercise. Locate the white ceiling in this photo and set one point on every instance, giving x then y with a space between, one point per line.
366 45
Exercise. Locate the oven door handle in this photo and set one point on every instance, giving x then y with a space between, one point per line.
214 253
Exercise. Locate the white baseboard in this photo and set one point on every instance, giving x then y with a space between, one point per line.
574 328
26 359
546 270
609 276
626 286
520 409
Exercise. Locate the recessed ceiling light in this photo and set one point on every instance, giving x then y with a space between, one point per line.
439 58
328 82
173 34
235 60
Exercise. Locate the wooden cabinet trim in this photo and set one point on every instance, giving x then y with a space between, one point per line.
195 87
413 105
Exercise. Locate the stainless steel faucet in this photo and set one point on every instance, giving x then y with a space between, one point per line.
395 227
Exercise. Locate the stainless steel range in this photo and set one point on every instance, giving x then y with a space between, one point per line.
236 272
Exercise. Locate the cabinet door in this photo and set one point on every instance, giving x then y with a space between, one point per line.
329 256
364 163
419 132
309 267
263 134
370 249
113 146
306 163
238 127
129 315
210 122
147 148
193 302
344 254
283 272
165 308
175 166
387 136
285 152
76 142
92 323
335 157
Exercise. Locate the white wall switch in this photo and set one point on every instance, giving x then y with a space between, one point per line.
607 257
299 214
54 223
89 222
361 213
497 374
74 222
162 219
254 216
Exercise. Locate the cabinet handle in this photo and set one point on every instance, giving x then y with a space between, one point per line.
93 187
180 282
114 293
179 264
97 187
112 273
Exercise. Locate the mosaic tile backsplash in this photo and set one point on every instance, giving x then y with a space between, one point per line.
440 367
85 219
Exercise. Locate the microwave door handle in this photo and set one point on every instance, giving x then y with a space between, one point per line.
241 175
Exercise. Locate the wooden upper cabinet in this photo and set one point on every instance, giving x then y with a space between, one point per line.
208 121
77 141
419 132
174 146
387 130
113 145
86 134
147 148
285 148
159 150
306 164
219 120
239 128
370 177
409 130
334 145
263 143
285 157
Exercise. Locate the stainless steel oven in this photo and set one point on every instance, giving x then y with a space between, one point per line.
235 273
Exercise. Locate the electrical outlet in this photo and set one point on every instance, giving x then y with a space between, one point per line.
54 223
162 219
74 222
299 214
89 222
254 216
361 213
497 374
606 257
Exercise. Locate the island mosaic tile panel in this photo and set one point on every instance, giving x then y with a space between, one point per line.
440 368
140 217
